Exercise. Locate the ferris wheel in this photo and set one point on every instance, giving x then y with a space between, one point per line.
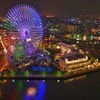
24 31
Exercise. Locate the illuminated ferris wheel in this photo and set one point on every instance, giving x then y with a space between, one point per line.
25 31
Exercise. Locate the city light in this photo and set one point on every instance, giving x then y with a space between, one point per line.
28 39
43 80
27 80
58 81
13 80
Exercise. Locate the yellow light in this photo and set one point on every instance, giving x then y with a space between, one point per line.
84 38
58 47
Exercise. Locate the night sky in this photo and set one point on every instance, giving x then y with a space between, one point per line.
56 7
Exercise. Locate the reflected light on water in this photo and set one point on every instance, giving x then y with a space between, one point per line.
36 90
31 91
4 81
0 93
23 90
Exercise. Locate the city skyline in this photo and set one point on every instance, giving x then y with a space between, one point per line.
56 8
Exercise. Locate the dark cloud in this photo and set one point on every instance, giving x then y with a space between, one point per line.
56 7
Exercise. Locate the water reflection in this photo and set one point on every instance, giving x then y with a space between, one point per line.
81 88
23 90
35 91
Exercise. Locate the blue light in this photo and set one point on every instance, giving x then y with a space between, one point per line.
41 91
41 69
39 94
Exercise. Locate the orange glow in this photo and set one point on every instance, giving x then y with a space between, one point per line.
84 37
4 81
49 16
31 91
0 93
94 31
5 75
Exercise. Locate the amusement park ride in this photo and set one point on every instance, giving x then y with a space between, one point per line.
24 32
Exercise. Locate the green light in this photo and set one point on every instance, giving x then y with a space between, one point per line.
0 81
12 73
44 74
20 51
58 73
27 73
21 89
0 74
91 37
